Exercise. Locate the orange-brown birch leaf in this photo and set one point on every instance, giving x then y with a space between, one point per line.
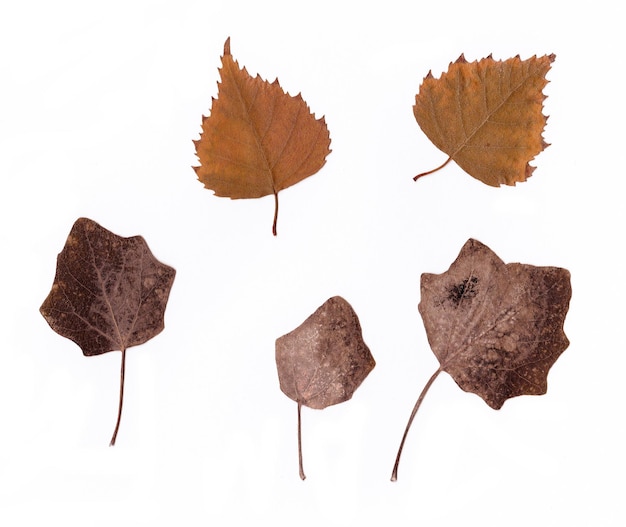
257 140
487 116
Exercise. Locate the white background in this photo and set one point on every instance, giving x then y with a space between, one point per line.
99 104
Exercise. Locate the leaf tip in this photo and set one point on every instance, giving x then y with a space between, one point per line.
227 46
461 59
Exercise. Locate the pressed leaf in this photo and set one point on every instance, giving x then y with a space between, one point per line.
487 116
109 293
257 140
496 328
324 360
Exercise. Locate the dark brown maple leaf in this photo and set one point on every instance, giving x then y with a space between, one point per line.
496 328
487 116
258 140
109 293
324 360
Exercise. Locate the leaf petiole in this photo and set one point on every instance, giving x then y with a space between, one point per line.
433 170
302 476
394 474
274 232
119 411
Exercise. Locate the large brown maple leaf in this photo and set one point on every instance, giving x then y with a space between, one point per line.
487 116
496 328
257 140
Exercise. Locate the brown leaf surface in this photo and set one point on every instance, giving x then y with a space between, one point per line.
324 360
496 328
487 116
109 293
258 140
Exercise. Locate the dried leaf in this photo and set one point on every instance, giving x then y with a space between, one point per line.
109 293
258 140
496 328
487 116
324 360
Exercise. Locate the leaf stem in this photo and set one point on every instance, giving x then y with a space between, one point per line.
394 474
275 213
433 170
302 476
119 411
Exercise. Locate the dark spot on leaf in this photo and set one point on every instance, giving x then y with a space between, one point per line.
466 289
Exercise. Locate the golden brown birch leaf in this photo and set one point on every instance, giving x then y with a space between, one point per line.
496 328
487 116
257 140
109 293
324 360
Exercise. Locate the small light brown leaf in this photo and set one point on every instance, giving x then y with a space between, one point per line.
324 360
109 293
487 116
258 140
496 328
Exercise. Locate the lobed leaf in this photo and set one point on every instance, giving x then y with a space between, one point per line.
109 293
324 360
496 328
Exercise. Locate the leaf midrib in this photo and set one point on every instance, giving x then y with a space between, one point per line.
255 133
489 114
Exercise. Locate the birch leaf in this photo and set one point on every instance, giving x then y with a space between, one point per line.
487 116
257 140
